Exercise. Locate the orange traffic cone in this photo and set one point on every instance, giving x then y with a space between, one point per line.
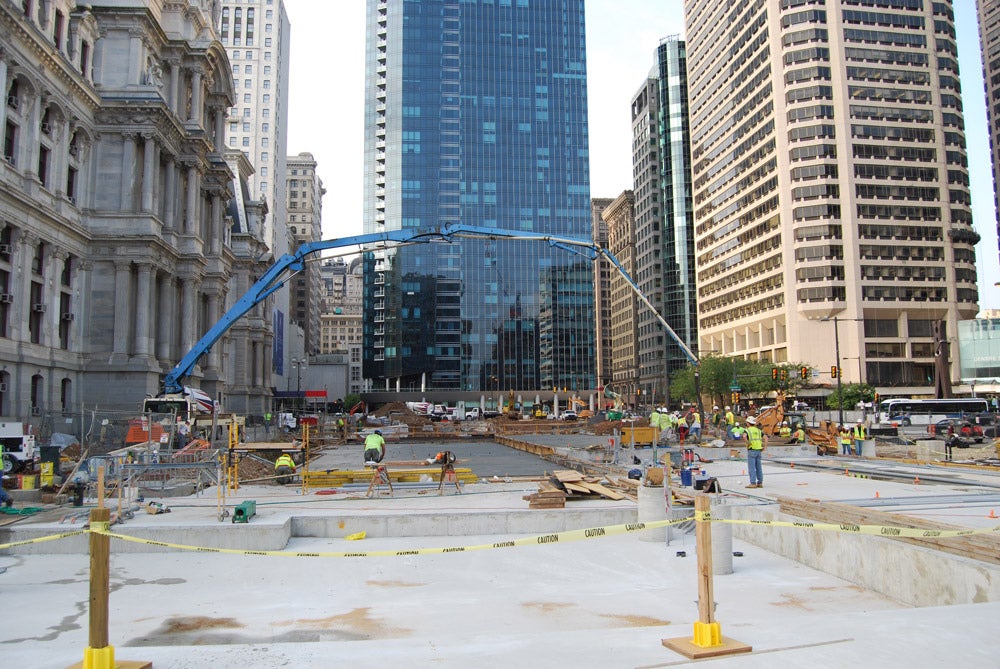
876 494
846 472
993 514
916 480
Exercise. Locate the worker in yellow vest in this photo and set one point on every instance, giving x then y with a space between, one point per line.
284 468
845 440
756 443
784 430
860 434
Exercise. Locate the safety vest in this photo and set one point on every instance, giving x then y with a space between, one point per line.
738 431
845 437
756 437
730 418
374 441
859 432
695 419
800 435
284 460
785 431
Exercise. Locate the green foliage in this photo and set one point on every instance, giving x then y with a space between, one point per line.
717 374
351 400
852 393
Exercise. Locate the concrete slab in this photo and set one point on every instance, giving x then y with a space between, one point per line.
605 602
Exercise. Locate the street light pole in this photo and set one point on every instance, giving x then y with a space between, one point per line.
840 386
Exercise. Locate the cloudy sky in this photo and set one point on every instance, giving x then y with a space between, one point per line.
327 104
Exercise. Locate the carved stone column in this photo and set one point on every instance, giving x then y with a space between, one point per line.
188 310
166 311
197 97
148 170
175 85
123 315
129 171
170 204
144 291
192 200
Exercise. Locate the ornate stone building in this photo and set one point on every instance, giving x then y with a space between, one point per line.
116 250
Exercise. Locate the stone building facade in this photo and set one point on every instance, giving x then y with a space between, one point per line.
117 249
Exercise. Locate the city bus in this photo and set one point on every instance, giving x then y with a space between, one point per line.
928 412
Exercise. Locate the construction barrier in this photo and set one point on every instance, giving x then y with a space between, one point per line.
542 539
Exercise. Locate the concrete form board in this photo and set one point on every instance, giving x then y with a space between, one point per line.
909 574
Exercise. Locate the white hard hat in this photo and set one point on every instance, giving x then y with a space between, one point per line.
751 421
715 408
727 408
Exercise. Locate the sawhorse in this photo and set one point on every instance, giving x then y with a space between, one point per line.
380 475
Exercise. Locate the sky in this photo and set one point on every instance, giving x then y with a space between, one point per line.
326 107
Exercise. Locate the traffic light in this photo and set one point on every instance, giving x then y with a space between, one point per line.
876 401
833 371
804 372
784 375
735 399
774 373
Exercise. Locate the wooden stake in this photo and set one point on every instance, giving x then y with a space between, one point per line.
707 640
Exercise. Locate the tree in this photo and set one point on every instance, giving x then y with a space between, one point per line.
852 394
718 373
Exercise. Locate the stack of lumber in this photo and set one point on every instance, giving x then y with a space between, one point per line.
569 484
547 497
574 482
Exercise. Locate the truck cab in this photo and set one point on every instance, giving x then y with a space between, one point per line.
18 447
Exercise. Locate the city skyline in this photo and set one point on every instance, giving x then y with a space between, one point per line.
620 54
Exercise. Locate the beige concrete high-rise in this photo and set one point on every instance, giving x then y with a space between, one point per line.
830 181
304 197
620 219
989 44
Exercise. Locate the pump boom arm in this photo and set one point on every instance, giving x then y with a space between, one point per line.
290 264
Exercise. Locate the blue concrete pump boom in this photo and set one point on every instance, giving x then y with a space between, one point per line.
290 264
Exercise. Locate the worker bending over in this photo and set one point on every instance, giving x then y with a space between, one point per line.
374 447
284 468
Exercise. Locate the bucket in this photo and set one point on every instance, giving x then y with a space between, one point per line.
686 477
27 481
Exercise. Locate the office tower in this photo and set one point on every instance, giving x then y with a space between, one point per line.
602 293
304 198
476 113
831 194
620 219
989 44
664 230
256 35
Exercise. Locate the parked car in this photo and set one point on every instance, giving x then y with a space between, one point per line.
962 428
568 415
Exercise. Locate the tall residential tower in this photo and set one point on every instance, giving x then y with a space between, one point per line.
830 182
476 113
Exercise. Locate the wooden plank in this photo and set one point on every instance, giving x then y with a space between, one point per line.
603 491
983 547
565 475
577 488
546 486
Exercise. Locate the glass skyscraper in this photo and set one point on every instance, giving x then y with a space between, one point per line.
476 114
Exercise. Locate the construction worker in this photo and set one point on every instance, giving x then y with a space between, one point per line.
374 447
799 435
342 427
845 440
860 434
730 422
694 425
784 431
756 443
284 468
4 497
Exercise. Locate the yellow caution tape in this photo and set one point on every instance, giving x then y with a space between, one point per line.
39 540
542 539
